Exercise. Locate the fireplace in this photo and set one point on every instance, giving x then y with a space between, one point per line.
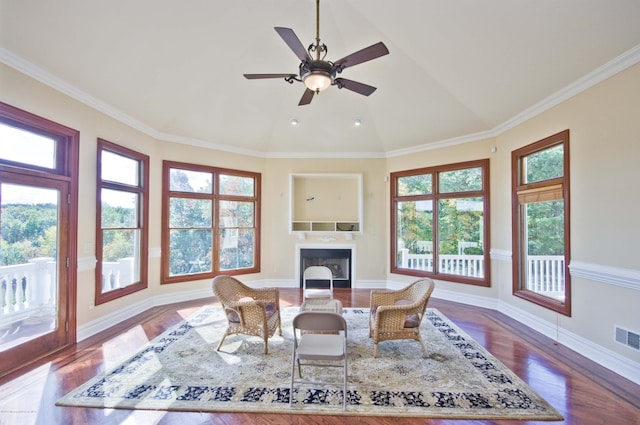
338 260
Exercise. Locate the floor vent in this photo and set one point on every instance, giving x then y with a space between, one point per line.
628 338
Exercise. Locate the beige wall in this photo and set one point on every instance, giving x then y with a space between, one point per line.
605 199
279 247
604 124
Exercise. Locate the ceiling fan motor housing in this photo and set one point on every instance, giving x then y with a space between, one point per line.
318 68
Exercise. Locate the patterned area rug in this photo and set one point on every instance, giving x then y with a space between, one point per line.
181 370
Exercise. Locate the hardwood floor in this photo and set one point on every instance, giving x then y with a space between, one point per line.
585 393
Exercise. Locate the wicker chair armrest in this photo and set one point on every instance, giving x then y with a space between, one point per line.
264 294
385 297
392 318
415 308
235 304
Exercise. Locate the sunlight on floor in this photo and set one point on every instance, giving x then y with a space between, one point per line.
184 313
122 346
20 405
541 374
137 417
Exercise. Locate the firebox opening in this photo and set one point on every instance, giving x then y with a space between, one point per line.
338 260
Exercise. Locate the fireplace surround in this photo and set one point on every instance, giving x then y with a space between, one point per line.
338 259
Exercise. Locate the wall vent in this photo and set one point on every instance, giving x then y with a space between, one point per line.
628 338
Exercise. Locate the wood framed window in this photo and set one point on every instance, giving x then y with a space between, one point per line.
440 222
122 221
540 221
210 222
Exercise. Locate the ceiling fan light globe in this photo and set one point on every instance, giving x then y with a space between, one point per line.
317 80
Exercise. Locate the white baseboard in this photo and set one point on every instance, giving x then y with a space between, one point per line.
475 300
609 359
370 284
112 319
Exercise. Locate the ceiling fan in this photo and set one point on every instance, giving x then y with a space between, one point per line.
317 73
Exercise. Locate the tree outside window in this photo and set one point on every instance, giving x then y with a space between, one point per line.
210 217
540 185
440 222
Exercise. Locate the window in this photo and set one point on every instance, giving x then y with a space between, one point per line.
211 220
540 186
122 221
440 222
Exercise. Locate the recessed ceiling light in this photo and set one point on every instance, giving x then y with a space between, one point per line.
357 122
293 122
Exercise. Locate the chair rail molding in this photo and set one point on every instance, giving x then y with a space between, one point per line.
626 278
500 255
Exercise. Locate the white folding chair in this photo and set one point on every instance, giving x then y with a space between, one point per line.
317 273
319 338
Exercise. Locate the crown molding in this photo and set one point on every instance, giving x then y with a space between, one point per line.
608 70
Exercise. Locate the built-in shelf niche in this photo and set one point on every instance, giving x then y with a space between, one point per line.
326 203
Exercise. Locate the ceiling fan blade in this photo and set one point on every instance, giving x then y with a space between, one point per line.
257 76
364 55
307 97
293 42
355 86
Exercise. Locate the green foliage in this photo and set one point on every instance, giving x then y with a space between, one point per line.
191 240
27 231
117 217
239 255
236 185
415 185
545 165
118 244
458 223
545 228
415 223
190 251
545 220
460 180
459 220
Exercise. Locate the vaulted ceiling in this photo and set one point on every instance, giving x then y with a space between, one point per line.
457 70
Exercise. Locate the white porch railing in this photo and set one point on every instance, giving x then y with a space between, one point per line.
117 274
545 273
463 265
31 289
28 289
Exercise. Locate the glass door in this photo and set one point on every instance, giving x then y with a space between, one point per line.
33 268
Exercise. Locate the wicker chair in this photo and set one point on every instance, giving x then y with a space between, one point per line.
249 311
398 314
